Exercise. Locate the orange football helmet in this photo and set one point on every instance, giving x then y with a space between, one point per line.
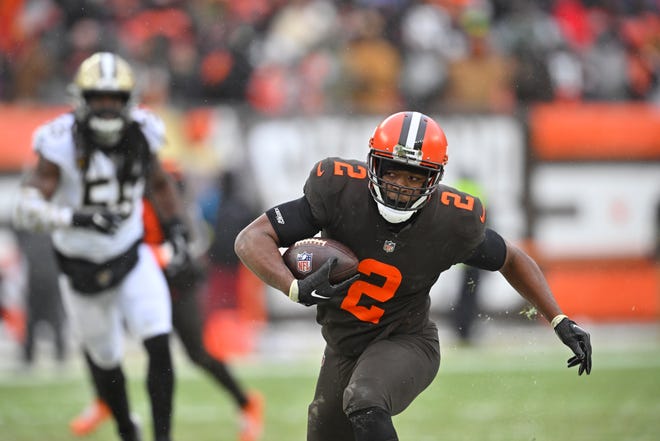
405 140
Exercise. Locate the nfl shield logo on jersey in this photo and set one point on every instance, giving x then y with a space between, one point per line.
304 261
388 246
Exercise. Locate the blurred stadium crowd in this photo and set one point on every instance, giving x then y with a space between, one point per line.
280 57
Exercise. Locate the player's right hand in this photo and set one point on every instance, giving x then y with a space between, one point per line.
579 341
316 288
101 220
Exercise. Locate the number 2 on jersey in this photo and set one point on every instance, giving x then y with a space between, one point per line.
344 168
382 294
448 197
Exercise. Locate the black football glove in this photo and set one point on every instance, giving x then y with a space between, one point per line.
101 220
316 287
186 277
579 341
176 234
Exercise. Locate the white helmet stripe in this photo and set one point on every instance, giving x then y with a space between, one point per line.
412 132
108 66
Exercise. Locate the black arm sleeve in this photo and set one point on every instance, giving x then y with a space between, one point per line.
490 253
292 221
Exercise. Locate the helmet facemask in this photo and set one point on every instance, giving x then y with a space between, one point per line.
400 201
102 91
105 117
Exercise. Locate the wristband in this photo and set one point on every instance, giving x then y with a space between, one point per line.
558 318
293 291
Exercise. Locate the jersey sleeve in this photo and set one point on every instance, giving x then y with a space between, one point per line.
470 222
490 254
292 221
153 128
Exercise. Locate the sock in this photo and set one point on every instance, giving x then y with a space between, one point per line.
110 384
160 384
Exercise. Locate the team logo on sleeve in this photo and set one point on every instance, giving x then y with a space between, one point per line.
304 262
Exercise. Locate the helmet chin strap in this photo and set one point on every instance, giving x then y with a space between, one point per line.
106 131
394 216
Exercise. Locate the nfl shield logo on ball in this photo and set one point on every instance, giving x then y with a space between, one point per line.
304 261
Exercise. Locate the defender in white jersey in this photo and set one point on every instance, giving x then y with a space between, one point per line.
94 167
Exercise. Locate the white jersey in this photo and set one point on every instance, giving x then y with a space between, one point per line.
97 185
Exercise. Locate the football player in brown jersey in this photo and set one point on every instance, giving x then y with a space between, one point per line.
406 228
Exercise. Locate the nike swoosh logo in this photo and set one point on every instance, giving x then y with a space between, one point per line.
319 170
574 327
318 296
482 218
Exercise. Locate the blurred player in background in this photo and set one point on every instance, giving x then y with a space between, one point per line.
184 279
406 228
43 297
466 309
94 167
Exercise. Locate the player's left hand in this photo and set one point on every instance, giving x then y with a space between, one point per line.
176 234
186 277
102 220
579 341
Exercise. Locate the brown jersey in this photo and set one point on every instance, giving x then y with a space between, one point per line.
398 263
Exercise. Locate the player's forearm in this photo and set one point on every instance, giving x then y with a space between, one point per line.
525 276
166 199
33 212
260 253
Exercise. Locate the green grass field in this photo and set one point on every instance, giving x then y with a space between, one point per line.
480 394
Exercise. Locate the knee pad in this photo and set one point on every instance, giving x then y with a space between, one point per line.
364 393
105 359
372 424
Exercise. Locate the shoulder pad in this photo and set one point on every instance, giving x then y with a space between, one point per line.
152 127
338 167
54 140
468 210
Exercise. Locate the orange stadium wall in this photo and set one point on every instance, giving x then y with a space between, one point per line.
618 147
17 123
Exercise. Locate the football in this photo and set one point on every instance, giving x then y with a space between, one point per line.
308 255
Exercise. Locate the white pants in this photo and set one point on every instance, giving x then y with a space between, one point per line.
141 302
